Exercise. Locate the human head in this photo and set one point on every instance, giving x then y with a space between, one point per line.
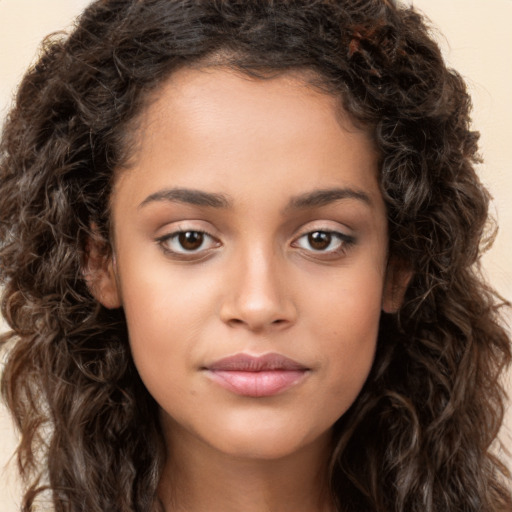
71 130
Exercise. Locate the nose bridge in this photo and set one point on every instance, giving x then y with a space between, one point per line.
258 293
260 278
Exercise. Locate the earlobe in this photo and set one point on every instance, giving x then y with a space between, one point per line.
99 274
398 277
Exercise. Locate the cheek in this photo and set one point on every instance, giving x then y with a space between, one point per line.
345 321
160 300
163 316
347 305
162 345
168 311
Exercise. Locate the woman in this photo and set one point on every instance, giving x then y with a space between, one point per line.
239 248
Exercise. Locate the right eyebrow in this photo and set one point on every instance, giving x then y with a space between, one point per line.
323 197
189 196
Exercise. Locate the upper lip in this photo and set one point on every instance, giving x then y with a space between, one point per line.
248 363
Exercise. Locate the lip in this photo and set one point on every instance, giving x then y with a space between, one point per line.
260 376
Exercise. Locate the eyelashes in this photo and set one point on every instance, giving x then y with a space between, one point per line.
193 244
184 243
324 241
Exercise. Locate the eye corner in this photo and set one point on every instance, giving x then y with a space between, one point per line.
330 243
188 244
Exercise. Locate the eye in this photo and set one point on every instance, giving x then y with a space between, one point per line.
187 242
324 241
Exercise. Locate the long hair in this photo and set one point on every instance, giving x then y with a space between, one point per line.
419 437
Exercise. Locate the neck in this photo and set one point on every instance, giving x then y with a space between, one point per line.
197 477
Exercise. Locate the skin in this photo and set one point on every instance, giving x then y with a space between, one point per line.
254 285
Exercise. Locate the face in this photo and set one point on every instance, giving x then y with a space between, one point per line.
250 242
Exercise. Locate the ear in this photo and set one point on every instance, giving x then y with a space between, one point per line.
100 273
397 279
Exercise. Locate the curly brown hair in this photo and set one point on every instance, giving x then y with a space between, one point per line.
420 435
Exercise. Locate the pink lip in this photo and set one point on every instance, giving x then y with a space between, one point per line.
257 376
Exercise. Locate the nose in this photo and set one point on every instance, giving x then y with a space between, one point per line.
258 296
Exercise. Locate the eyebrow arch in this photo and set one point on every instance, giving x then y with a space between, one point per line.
323 197
189 196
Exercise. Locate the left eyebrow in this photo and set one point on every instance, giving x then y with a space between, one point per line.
189 196
323 197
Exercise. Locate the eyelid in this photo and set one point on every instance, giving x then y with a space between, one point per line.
337 234
184 254
345 240
325 226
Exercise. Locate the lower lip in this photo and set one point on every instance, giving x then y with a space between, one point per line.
258 384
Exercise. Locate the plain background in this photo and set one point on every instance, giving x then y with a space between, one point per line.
477 41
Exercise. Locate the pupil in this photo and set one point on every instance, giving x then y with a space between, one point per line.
319 240
191 240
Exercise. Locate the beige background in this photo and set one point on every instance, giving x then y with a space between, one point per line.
477 41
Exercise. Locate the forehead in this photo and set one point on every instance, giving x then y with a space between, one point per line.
193 95
203 123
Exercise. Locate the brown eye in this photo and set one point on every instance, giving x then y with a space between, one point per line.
188 243
324 243
319 240
191 240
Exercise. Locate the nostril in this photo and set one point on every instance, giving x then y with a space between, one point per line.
257 314
237 322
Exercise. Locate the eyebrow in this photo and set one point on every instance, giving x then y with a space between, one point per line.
313 199
189 196
323 197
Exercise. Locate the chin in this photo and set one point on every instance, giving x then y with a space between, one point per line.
260 442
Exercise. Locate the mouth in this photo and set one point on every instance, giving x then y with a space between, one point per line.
261 376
